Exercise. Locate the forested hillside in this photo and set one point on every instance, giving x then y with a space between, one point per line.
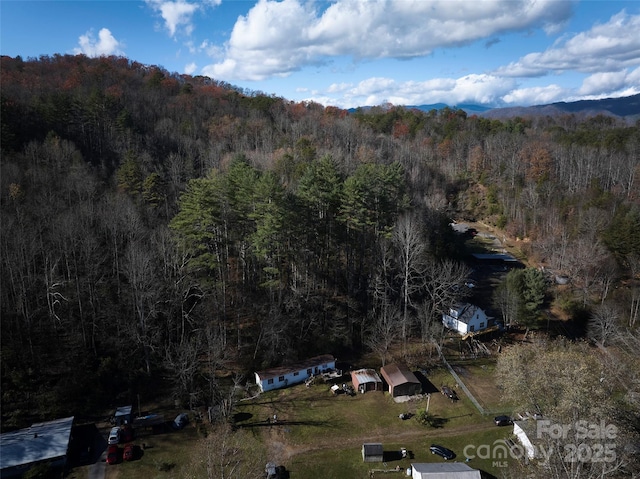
162 230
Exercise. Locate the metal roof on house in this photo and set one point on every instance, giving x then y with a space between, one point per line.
363 376
396 374
495 256
446 470
40 442
373 448
466 312
299 366
123 411
529 427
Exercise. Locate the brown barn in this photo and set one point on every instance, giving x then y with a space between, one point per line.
400 380
366 380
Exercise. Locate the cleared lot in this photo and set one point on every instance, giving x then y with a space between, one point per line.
320 435
317 434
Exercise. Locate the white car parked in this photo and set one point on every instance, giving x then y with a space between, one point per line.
114 436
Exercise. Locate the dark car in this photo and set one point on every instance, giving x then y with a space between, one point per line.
503 420
112 454
442 451
180 421
450 393
127 453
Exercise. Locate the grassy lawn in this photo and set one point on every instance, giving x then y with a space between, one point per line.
167 456
307 415
347 463
323 434
319 435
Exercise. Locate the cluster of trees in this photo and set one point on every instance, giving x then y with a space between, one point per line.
588 402
159 226
520 296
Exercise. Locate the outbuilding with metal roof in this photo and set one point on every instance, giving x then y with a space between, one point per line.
366 380
401 381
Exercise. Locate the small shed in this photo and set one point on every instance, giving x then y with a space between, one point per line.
401 381
443 470
123 416
366 380
372 452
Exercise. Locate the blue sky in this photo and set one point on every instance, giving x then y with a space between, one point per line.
350 53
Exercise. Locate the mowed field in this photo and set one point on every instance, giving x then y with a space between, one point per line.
320 435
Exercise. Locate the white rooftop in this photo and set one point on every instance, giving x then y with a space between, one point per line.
366 376
446 470
123 411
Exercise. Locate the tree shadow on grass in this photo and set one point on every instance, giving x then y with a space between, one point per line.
281 423
427 386
390 456
241 417
437 422
431 420
279 401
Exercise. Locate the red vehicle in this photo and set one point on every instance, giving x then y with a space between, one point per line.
112 454
126 433
127 454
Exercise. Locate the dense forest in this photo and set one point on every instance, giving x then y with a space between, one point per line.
163 230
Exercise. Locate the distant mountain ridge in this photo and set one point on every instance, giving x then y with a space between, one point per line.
470 108
627 108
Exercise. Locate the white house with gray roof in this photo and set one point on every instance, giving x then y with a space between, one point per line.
466 318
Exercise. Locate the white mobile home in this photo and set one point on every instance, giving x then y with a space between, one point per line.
443 470
283 376
465 318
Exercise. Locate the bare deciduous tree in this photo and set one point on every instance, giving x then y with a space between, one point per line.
566 383
443 284
411 263
228 454
603 324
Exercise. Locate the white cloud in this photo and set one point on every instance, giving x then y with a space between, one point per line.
536 95
276 38
339 87
606 47
475 89
605 81
611 84
484 89
178 15
190 68
105 45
